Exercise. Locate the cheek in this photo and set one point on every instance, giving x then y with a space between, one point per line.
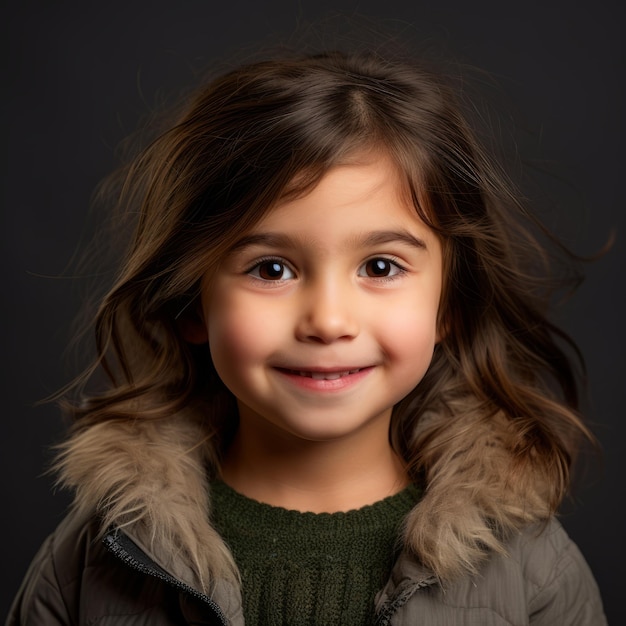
409 336
238 332
416 338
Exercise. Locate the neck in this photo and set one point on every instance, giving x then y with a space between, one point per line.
272 466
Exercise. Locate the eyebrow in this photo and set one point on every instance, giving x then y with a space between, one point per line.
391 236
272 240
280 240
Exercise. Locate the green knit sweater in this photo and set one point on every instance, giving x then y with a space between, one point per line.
310 568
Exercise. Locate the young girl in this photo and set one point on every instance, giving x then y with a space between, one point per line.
334 394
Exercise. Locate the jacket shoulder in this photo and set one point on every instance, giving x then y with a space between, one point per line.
46 593
559 584
542 580
74 579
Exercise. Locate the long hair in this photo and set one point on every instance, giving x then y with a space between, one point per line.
272 129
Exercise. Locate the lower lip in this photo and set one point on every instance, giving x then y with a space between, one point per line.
335 384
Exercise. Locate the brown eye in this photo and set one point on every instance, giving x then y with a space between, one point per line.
273 269
379 268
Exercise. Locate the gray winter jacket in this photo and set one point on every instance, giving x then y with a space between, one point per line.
79 579
149 481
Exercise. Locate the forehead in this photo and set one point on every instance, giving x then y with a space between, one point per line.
367 181
361 204
376 156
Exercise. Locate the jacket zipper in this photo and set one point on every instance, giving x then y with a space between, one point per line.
403 594
125 549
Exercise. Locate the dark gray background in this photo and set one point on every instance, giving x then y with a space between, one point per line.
78 76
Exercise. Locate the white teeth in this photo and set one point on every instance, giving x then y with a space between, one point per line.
327 375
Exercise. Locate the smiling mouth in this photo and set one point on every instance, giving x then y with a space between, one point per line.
323 375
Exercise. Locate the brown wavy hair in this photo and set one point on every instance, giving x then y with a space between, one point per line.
274 128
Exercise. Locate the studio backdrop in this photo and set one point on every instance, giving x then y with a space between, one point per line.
80 76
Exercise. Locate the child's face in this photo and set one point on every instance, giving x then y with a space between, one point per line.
326 315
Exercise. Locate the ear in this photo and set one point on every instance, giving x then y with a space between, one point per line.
192 326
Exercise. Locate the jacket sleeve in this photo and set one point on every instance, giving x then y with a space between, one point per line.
569 594
40 600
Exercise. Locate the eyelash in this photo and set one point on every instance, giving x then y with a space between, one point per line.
400 270
393 261
265 260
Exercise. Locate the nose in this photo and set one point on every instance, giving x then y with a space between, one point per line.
328 313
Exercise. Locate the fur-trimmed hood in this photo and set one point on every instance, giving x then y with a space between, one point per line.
151 479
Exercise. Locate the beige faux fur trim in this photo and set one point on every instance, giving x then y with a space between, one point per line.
149 478
474 499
